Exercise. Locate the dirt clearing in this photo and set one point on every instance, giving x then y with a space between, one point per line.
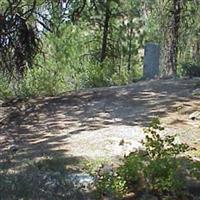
97 123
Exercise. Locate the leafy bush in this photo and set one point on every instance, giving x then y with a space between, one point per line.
157 169
41 81
191 69
53 79
162 176
131 169
158 147
163 167
95 74
111 184
121 77
5 89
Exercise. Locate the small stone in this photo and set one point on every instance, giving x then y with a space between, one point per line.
121 142
106 169
13 148
195 115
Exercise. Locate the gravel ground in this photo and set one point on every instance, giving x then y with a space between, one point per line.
96 123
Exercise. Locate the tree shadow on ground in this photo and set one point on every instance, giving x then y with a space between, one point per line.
94 109
48 178
36 126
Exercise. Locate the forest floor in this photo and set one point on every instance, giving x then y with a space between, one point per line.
96 124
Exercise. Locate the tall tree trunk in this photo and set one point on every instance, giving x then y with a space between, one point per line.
130 49
105 32
172 40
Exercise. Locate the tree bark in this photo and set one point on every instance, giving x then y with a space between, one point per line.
171 65
130 49
105 32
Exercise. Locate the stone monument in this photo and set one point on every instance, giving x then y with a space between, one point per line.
151 60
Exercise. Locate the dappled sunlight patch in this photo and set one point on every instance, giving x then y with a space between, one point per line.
106 122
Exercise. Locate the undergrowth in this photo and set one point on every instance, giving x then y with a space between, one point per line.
159 170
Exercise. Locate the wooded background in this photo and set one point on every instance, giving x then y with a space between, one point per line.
49 47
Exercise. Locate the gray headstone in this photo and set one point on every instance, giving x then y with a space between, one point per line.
151 60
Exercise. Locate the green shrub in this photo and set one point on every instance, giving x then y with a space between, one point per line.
159 148
39 81
115 183
131 169
121 77
95 74
5 88
110 184
157 169
52 79
43 81
162 171
191 69
162 175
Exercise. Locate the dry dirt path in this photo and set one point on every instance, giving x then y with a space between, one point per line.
91 124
